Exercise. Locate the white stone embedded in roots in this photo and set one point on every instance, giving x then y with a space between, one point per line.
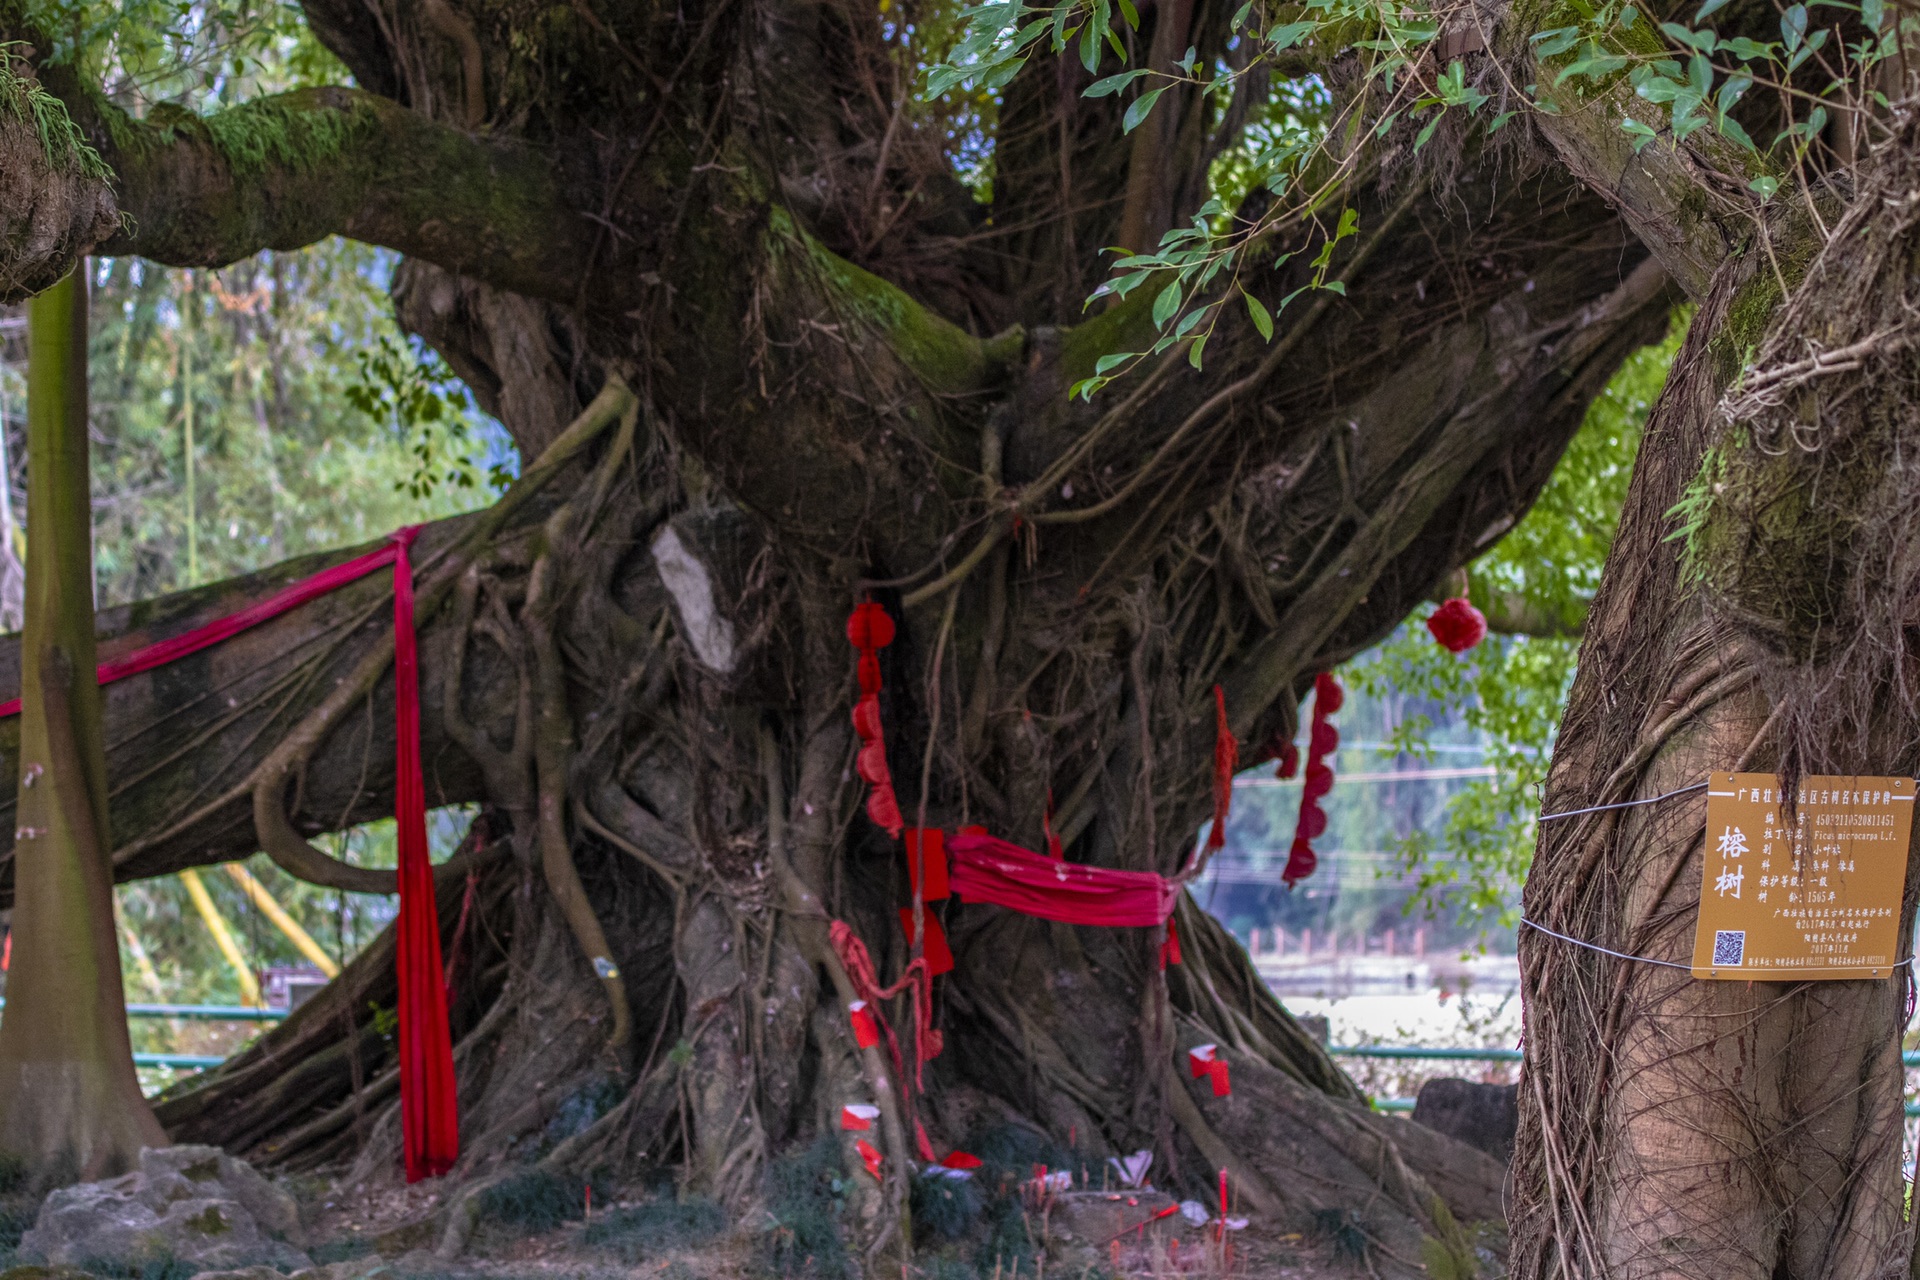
708 631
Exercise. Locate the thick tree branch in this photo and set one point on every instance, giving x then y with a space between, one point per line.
289 170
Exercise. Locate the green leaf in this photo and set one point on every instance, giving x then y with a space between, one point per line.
1262 318
1793 26
1139 109
1642 134
1874 14
1193 352
1631 15
1106 362
1290 34
1186 64
1427 133
1549 44
1090 48
1500 120
1166 304
1240 16
1711 6
1113 84
1131 14
1764 186
1730 129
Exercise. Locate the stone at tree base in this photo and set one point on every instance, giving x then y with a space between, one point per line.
196 1205
348 1269
1480 1115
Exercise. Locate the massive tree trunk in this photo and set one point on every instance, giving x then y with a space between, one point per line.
1755 614
746 338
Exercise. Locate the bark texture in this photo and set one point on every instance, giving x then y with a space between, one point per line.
1680 1128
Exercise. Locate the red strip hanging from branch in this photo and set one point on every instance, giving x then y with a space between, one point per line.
1226 754
429 1097
870 630
1323 740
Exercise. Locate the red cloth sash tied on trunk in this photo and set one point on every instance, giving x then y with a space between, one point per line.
429 1116
986 869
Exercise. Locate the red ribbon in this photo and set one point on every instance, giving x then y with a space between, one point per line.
986 869
429 1096
288 598
1226 754
429 1099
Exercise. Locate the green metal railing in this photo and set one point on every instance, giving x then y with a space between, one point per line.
1415 1053
1909 1057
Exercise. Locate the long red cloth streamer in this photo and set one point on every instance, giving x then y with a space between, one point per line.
986 869
858 962
162 652
429 1097
429 1103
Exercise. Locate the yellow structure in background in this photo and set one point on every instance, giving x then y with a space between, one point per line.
270 908
223 938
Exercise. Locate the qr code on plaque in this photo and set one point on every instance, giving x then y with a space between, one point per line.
1729 945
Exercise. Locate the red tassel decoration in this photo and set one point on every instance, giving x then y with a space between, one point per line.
870 630
1323 739
1226 754
1457 625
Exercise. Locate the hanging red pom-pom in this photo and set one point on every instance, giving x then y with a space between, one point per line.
1457 625
1327 695
869 627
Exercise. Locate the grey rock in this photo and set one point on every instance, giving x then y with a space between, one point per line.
1480 1115
198 1205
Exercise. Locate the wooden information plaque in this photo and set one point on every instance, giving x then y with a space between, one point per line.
1822 902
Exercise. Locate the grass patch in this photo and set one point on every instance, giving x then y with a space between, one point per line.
535 1200
640 1231
161 1266
807 1193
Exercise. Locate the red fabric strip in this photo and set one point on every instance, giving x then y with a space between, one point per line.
288 598
429 1107
1226 755
985 869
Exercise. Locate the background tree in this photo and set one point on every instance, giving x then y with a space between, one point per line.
69 1100
773 355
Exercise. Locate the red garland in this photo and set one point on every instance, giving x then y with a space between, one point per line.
1322 740
1457 625
1226 754
870 630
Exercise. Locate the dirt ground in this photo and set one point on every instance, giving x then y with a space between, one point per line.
659 1235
